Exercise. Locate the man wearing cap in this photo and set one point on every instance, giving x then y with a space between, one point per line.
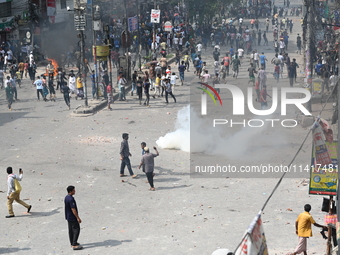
149 164
124 156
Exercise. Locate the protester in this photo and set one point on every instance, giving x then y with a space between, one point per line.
124 156
13 191
149 165
72 217
303 228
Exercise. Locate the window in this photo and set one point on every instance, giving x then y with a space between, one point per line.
63 4
5 9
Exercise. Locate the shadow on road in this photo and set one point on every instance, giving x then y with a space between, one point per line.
12 250
174 187
169 171
42 214
11 116
106 243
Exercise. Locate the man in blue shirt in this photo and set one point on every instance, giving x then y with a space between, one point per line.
181 69
318 67
263 60
72 217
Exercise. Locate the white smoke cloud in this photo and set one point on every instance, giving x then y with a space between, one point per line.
219 140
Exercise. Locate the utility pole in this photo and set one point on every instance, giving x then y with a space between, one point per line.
139 42
82 59
94 47
80 24
126 41
154 26
338 105
308 54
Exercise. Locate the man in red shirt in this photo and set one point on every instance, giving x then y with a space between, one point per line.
226 61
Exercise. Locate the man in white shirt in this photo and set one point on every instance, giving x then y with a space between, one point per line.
255 57
199 47
333 80
5 62
240 52
175 42
39 85
280 56
282 46
10 55
13 194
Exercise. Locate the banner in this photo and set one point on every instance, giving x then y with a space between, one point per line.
323 178
133 23
51 10
322 157
255 240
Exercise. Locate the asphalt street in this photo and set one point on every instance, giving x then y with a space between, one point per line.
120 215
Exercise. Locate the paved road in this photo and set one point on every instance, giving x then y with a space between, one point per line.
184 216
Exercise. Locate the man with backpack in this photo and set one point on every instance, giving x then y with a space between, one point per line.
13 191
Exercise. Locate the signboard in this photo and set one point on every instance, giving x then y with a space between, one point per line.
155 16
323 179
79 22
255 240
133 23
168 26
97 25
51 10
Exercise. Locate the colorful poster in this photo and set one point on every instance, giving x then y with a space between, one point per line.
322 157
255 240
323 178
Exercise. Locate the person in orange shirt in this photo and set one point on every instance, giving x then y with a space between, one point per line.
21 68
303 227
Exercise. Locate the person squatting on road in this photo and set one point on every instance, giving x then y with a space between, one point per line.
148 164
124 156
13 191
72 217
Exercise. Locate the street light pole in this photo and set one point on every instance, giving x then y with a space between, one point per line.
94 48
139 42
126 43
82 59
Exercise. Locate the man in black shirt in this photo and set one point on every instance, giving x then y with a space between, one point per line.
124 156
298 43
106 83
216 54
72 217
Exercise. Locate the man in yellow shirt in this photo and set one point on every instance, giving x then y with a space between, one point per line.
157 86
80 89
303 226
